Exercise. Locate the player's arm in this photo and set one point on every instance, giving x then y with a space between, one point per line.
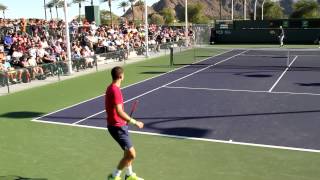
126 117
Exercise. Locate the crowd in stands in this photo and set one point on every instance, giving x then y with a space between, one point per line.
28 48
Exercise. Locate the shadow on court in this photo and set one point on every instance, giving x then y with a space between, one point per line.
19 178
156 66
185 131
309 84
256 75
170 119
153 72
21 115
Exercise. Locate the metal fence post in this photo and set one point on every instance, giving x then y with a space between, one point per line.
59 70
96 61
194 53
7 81
171 56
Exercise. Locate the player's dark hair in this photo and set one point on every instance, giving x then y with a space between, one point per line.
116 72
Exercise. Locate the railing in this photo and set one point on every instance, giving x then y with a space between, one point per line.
58 69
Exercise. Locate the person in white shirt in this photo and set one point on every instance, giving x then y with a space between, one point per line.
93 27
44 43
37 71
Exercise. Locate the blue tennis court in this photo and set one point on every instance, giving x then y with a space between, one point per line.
238 96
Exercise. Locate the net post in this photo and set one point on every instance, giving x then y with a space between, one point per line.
194 53
60 69
124 59
171 56
288 58
95 59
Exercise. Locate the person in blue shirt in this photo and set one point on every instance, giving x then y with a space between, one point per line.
8 41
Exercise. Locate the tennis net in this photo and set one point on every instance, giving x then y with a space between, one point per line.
268 57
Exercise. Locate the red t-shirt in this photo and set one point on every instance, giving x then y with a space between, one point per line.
112 98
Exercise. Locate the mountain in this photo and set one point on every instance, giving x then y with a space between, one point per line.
211 8
138 12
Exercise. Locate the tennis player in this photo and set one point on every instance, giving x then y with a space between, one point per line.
118 121
281 36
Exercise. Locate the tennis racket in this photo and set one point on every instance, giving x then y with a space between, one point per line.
134 107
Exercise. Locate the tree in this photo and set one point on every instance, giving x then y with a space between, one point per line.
272 10
79 2
50 5
195 14
123 5
3 8
132 8
168 15
105 17
57 4
305 9
110 10
157 19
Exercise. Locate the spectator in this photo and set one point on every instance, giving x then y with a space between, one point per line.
36 71
8 41
24 68
2 55
32 44
10 71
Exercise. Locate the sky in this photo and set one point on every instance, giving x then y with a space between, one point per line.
34 8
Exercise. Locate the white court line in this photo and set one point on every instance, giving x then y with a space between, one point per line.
190 138
213 89
294 93
133 84
284 72
155 89
241 90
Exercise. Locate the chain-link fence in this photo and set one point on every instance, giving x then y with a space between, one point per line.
202 33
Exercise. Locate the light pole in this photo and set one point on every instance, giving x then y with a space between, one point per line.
262 13
231 9
45 9
146 27
245 9
255 10
65 7
186 21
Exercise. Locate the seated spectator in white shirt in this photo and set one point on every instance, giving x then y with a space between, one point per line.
24 64
37 71
16 54
87 54
44 43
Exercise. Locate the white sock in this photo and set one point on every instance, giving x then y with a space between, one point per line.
129 170
116 173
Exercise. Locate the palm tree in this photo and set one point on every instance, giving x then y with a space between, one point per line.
79 3
140 4
132 8
50 5
123 5
3 8
56 4
110 10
